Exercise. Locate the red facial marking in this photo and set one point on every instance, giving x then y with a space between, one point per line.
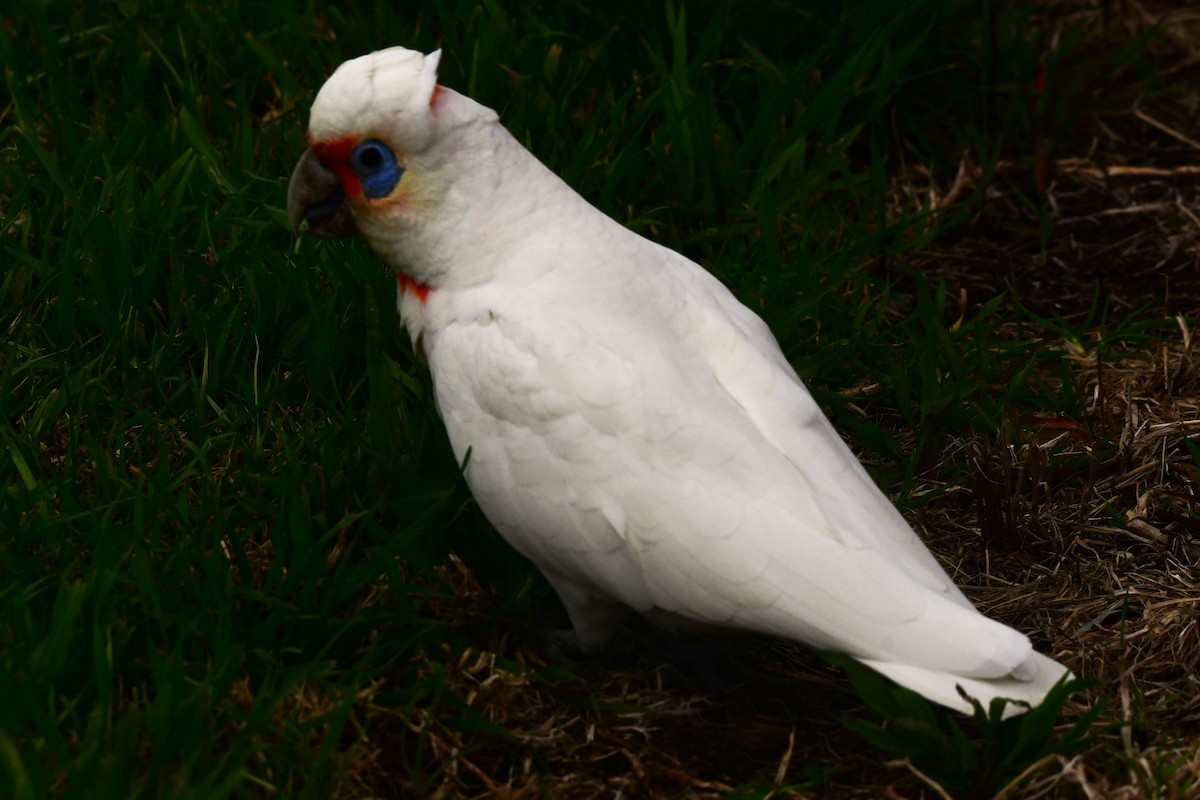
433 98
408 284
334 155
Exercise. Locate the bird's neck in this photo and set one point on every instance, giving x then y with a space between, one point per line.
496 204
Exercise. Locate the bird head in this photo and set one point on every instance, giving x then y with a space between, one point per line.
371 124
428 177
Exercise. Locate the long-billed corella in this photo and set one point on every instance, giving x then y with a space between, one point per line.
632 428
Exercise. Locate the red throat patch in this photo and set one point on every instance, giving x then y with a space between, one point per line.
407 284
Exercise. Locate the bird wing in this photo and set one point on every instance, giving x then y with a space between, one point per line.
638 431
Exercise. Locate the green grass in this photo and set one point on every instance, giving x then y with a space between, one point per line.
225 488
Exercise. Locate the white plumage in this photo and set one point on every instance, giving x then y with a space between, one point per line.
633 429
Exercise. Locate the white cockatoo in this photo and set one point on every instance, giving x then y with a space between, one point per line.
631 427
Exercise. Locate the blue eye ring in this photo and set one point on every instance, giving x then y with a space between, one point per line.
375 165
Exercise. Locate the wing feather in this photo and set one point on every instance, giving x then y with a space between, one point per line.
679 465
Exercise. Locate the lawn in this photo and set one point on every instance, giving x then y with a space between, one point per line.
237 558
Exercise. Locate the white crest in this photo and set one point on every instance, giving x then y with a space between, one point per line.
378 95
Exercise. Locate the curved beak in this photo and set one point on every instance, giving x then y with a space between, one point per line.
315 196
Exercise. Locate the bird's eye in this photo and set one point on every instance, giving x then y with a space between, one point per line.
376 167
369 156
